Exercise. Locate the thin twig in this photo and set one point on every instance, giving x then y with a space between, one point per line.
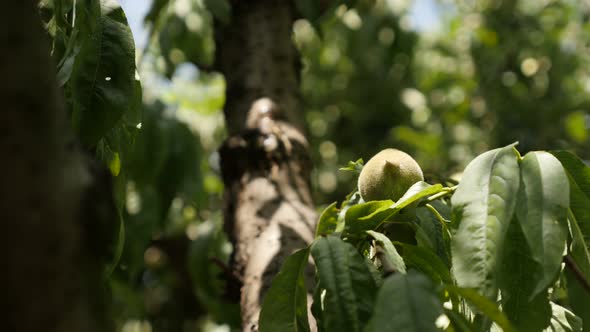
571 264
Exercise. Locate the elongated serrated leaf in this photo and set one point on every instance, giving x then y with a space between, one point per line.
328 220
563 320
483 205
285 304
391 255
406 302
103 75
483 305
369 216
542 204
348 282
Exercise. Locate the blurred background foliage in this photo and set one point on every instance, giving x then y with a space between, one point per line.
491 73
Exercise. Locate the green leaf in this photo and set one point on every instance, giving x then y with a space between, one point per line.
579 171
406 302
285 305
483 205
579 220
118 250
393 259
426 261
563 320
316 306
518 276
459 323
354 166
348 282
369 216
328 221
483 305
220 9
103 75
433 232
541 210
577 293
579 177
357 220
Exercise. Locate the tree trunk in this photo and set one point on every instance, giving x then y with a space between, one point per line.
265 162
50 280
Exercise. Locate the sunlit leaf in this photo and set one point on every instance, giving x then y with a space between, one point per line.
542 206
483 205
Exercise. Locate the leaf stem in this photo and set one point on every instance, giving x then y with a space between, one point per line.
571 264
446 191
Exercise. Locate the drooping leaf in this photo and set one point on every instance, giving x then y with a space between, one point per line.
579 177
393 258
406 302
519 275
578 294
433 233
285 304
483 205
103 75
458 322
348 282
579 220
541 210
482 305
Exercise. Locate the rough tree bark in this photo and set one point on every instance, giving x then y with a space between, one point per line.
50 277
265 161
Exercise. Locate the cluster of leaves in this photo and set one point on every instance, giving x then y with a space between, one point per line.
95 55
164 186
484 254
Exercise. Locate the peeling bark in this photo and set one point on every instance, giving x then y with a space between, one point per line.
49 281
265 162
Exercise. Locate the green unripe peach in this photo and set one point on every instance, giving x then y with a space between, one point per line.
388 175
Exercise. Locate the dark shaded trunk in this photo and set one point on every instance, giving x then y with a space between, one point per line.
265 161
51 277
